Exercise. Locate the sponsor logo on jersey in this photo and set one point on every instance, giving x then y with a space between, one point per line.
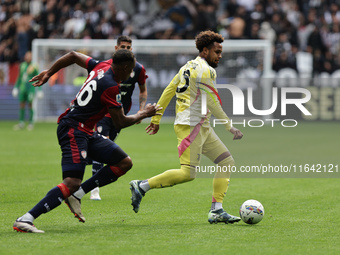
125 84
119 98
100 73
212 73
83 154
181 100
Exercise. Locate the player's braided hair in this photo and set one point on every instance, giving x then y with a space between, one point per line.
122 56
123 38
206 39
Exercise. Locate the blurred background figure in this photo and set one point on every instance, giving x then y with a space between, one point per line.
25 91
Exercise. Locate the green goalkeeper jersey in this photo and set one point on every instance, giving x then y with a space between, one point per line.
27 71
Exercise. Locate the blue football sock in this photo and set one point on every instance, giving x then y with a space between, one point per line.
96 166
52 200
103 177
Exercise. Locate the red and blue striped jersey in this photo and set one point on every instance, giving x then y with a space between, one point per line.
127 87
99 93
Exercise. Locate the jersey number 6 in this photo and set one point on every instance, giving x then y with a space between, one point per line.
87 91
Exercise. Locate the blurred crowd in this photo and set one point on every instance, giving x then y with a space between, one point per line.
291 25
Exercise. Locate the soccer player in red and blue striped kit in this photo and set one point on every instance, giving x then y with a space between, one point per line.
99 95
105 126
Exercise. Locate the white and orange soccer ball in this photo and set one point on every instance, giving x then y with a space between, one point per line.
251 211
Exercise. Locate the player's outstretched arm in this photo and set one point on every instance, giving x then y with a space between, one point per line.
123 121
237 133
70 58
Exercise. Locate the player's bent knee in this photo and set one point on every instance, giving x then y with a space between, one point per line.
122 167
225 157
126 164
230 160
222 156
72 184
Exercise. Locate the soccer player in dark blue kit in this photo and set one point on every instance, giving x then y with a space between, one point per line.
105 126
99 94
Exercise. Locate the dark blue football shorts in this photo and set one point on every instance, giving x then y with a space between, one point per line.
77 146
105 127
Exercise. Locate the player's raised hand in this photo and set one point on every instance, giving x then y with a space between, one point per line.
237 133
152 109
153 128
40 79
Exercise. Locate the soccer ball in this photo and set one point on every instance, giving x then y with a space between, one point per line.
251 211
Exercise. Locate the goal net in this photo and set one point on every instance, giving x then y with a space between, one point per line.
244 63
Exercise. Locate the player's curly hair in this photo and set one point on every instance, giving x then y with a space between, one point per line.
206 39
122 56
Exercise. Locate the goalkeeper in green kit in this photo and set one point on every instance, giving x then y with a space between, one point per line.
25 91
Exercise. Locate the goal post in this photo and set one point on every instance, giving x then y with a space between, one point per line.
244 63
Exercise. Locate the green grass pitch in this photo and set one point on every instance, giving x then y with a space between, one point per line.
301 214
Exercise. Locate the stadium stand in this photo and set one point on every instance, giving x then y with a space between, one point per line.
292 26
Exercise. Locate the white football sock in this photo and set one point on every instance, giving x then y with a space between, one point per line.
216 205
27 217
79 193
144 185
